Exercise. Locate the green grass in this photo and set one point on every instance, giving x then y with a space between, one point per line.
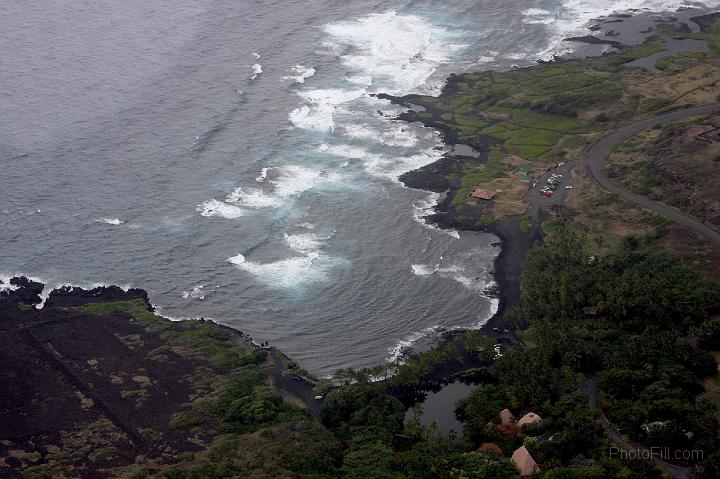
641 51
529 152
527 337
472 121
487 219
476 175
530 134
560 84
186 420
650 104
214 342
532 119
526 225
135 308
552 226
502 131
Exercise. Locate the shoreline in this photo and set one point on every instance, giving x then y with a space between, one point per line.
507 267
610 34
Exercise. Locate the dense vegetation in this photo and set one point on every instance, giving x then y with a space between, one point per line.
241 423
614 348
613 343
626 337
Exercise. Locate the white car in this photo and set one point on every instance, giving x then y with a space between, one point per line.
568 187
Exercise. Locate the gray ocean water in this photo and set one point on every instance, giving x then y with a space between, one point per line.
227 157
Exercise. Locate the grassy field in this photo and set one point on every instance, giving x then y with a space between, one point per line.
675 165
552 112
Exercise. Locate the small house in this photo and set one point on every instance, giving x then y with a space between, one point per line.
524 462
506 417
480 194
654 427
529 418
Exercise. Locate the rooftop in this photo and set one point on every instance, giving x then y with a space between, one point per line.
524 462
481 194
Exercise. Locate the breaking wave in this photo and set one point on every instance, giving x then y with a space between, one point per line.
301 73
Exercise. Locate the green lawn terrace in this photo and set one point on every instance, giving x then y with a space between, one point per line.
552 112
532 109
534 112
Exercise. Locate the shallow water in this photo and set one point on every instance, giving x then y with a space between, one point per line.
228 157
439 407
673 47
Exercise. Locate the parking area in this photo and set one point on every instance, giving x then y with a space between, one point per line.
550 187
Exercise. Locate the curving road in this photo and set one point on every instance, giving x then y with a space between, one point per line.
596 156
676 471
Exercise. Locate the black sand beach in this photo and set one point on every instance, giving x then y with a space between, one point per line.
613 33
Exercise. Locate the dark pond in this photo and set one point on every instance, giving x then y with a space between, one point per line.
440 407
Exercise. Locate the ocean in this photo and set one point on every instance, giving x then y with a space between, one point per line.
230 158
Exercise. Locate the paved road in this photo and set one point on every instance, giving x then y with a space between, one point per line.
676 471
596 156
595 160
299 388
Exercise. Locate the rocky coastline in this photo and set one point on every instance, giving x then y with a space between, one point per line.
617 32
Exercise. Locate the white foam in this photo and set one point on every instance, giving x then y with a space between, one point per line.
221 209
256 55
197 292
575 16
534 12
305 265
263 175
321 105
5 284
305 242
390 134
396 352
485 59
399 52
288 273
458 273
280 184
421 269
257 70
301 73
48 288
355 130
426 207
253 198
110 221
386 166
364 80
